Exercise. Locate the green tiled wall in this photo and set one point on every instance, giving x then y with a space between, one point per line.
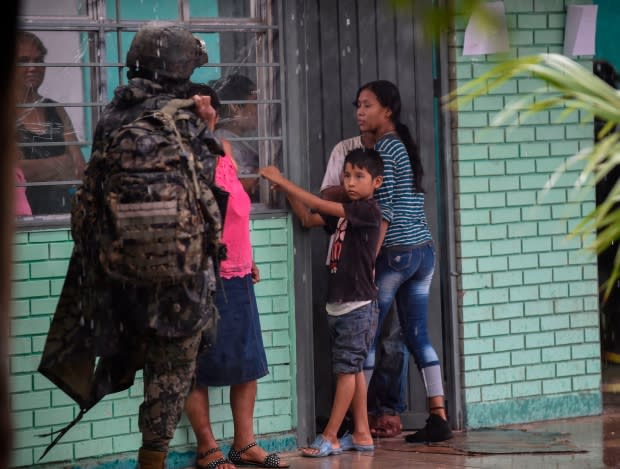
529 304
111 427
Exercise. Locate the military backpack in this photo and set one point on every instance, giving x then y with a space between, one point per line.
163 225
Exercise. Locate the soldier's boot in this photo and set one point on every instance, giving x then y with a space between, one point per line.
148 459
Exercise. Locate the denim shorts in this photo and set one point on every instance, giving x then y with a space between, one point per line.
352 335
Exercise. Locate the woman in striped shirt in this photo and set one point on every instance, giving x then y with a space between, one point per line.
406 258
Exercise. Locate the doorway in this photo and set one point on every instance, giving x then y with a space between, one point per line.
348 44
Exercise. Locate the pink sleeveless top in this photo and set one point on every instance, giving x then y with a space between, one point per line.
22 207
236 235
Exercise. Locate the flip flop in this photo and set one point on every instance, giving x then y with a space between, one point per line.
324 446
347 444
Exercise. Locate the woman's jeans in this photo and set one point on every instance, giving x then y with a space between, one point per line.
403 274
386 390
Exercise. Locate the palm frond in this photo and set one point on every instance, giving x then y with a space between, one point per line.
568 86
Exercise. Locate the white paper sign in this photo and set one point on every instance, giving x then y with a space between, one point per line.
487 35
580 32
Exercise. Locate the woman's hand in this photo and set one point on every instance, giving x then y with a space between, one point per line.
255 273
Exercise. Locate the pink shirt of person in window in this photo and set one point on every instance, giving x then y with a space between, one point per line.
236 235
22 207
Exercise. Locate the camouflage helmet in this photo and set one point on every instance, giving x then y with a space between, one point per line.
167 50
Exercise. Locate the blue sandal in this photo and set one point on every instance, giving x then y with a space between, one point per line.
324 447
347 443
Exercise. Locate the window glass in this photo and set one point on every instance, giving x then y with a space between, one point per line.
68 72
221 8
249 120
53 122
149 10
57 8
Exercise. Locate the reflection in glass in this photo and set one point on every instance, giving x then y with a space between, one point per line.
58 8
48 147
148 10
220 8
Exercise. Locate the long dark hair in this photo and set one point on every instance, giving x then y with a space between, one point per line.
388 95
231 88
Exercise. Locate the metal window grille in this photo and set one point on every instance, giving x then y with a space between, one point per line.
87 41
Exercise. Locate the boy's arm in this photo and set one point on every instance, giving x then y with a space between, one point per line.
307 218
335 194
382 231
310 200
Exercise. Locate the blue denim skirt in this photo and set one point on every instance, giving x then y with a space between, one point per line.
238 355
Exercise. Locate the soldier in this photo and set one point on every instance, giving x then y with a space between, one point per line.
129 327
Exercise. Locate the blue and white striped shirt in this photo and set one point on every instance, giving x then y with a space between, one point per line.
402 208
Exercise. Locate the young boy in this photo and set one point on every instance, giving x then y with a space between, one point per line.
351 297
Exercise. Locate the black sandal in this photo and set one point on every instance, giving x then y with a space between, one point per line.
213 464
271 460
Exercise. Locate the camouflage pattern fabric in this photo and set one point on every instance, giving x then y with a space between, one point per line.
97 317
166 50
168 376
154 227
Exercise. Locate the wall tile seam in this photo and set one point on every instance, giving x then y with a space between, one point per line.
524 284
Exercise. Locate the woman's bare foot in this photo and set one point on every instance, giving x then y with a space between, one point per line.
360 438
322 446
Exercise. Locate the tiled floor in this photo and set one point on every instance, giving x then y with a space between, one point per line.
598 437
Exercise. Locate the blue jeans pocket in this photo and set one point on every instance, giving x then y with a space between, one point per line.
398 260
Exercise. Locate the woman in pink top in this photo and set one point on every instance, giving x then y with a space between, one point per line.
237 359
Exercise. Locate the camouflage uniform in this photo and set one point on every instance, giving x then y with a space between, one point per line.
155 328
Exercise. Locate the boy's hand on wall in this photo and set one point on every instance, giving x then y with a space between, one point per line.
272 173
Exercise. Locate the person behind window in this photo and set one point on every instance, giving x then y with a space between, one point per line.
237 359
240 121
37 126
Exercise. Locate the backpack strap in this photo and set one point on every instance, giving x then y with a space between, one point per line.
172 106
205 196
60 433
